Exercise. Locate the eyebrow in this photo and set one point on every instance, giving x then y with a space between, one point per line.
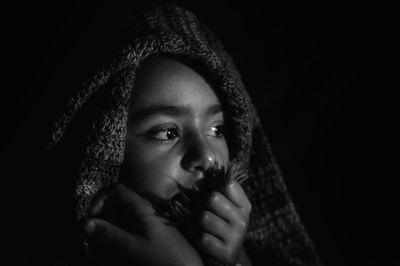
170 110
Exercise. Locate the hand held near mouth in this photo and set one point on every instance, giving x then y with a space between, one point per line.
214 215
144 238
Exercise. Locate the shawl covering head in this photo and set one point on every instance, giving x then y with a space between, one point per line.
98 116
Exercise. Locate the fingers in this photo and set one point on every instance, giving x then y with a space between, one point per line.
224 220
224 223
114 246
121 196
107 234
235 193
211 245
222 207
215 248
214 225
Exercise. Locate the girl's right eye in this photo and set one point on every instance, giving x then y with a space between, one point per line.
165 134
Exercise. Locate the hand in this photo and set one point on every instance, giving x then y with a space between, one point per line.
224 224
124 223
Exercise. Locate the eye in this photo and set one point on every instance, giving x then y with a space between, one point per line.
164 134
216 131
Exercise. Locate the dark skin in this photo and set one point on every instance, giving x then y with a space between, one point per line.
175 132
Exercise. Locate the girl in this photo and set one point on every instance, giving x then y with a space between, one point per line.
173 167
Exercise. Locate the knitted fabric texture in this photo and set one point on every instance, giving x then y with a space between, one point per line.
275 233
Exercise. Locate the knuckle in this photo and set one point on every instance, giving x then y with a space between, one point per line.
242 224
204 240
229 188
229 208
214 197
205 218
249 206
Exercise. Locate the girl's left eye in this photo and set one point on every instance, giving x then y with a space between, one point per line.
216 131
166 134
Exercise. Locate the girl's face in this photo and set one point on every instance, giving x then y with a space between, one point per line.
175 130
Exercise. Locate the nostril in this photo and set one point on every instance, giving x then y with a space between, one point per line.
198 178
199 184
199 169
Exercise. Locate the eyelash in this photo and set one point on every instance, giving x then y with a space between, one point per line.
155 134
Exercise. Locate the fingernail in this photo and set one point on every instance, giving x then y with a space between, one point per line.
89 227
95 209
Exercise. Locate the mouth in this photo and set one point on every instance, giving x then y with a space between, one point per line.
183 209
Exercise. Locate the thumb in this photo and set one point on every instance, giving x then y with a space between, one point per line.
106 234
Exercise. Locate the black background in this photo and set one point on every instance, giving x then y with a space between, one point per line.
319 76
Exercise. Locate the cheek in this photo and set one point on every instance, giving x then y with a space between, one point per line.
150 171
222 152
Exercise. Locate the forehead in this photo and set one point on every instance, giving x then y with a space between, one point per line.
166 80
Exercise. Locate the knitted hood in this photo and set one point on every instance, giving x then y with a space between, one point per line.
96 122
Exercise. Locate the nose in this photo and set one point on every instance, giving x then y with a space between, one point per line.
199 156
